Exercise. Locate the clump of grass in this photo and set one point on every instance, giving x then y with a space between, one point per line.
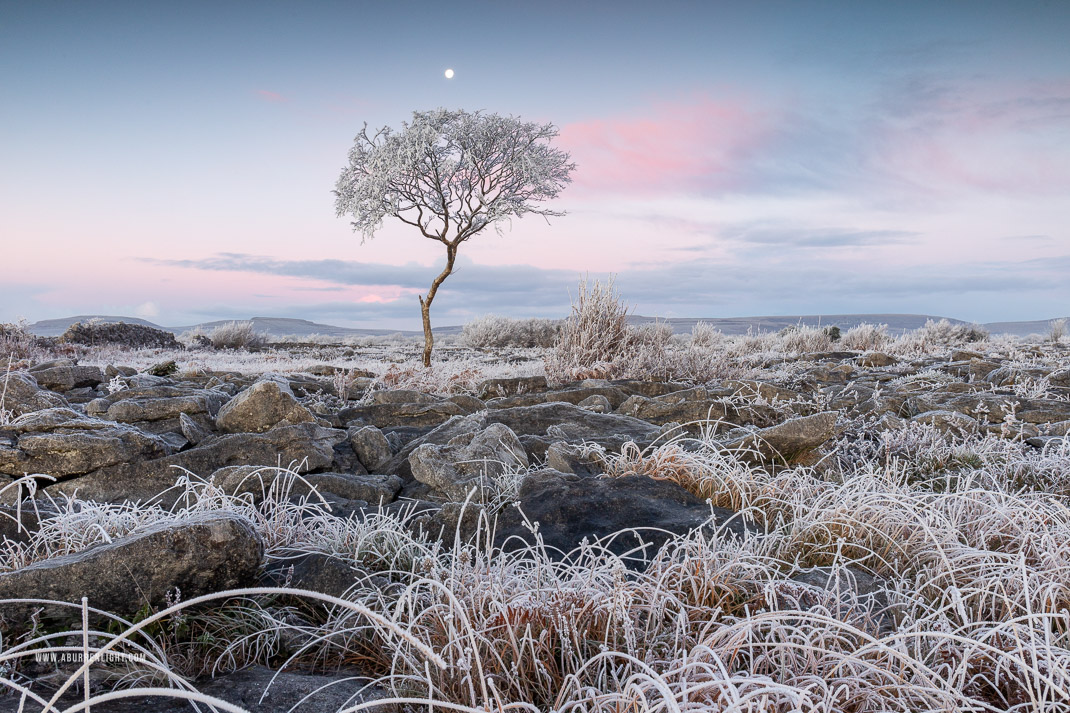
866 337
935 337
802 339
237 335
1056 330
495 332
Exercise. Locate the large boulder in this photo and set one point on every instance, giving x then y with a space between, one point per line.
786 442
468 461
61 442
262 406
492 388
695 406
439 435
305 446
387 415
257 481
22 394
371 448
64 375
607 429
257 689
199 555
572 508
612 394
951 422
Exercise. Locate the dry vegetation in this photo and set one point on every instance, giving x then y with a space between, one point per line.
966 536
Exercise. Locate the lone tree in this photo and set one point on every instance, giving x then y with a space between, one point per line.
450 174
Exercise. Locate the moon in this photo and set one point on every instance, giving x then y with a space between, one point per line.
449 74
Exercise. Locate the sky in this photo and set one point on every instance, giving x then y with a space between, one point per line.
176 161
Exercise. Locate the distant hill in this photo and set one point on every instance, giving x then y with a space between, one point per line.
897 323
287 327
56 327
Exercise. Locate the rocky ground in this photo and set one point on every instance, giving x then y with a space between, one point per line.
585 460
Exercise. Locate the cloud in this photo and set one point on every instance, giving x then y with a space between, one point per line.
767 234
675 145
482 286
270 96
695 288
147 310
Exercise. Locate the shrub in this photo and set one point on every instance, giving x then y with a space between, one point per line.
943 334
705 336
802 339
17 343
593 337
236 335
866 337
494 331
1057 329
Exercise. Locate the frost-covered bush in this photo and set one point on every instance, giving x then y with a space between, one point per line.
236 335
946 334
705 336
866 337
1057 330
801 339
596 341
17 343
494 331
593 337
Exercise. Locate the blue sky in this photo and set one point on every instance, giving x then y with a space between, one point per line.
175 161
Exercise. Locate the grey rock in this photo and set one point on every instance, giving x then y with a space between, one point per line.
567 457
64 375
194 432
371 447
493 388
440 435
259 481
402 396
571 508
157 409
951 422
307 446
467 461
575 395
877 359
596 403
609 430
315 572
694 407
23 395
61 442
468 404
405 414
1048 443
262 406
786 442
856 594
197 556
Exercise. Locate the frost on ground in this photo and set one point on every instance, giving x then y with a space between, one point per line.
628 520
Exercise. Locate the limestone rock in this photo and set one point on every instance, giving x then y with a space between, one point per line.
202 554
264 405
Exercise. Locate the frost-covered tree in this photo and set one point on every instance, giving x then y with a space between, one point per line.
450 174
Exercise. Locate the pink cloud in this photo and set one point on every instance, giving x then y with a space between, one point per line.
995 137
671 146
271 96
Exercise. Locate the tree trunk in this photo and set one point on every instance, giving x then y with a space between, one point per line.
425 303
